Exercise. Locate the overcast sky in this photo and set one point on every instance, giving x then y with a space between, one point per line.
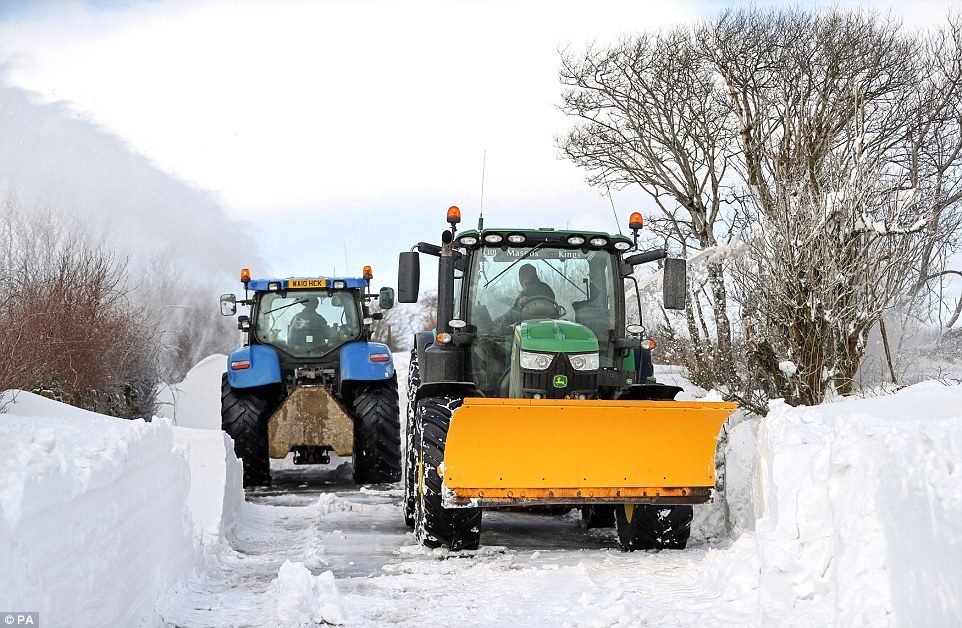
350 123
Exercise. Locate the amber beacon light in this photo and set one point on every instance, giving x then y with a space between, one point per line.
454 214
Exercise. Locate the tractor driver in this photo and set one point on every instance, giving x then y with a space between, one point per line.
308 328
531 286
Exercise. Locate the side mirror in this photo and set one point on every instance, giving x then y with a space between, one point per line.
408 277
385 298
675 284
645 257
228 304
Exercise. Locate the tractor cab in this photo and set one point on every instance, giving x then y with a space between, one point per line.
545 306
306 320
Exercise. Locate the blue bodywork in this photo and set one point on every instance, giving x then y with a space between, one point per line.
356 362
265 368
354 358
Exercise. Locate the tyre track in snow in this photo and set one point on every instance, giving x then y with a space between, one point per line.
532 568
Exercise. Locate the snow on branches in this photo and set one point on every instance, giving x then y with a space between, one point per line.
826 144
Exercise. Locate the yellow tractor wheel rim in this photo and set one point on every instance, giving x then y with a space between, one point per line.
421 477
629 512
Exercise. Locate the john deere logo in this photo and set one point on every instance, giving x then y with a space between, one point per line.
560 381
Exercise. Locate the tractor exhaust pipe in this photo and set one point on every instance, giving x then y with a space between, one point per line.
446 282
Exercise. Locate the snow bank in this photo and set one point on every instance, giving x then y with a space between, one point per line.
858 506
91 507
195 402
100 517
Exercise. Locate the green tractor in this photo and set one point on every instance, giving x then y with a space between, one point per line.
534 390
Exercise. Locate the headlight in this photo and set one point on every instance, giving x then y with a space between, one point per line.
515 238
584 361
274 286
493 238
468 240
622 246
575 240
598 241
536 361
340 285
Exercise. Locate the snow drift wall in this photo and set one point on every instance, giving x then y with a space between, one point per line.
99 516
858 506
216 480
195 402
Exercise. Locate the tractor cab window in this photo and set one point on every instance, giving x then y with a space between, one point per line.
307 323
522 283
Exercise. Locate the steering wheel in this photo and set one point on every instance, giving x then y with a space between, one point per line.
540 307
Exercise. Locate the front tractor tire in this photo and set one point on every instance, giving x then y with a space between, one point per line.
244 415
435 525
652 527
410 449
377 433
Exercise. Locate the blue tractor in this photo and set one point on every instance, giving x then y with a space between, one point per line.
308 379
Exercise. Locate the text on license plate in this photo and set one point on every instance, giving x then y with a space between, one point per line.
294 284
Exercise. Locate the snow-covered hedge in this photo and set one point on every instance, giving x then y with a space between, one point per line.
99 517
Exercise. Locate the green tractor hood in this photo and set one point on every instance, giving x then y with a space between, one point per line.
551 336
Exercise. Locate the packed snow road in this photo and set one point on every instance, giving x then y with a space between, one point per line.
534 568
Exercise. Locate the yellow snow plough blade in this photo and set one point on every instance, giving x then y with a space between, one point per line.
503 452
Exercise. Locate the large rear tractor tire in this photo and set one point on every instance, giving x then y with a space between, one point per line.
645 527
377 433
410 457
244 415
599 516
435 525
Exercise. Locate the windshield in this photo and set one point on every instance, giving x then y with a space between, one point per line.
307 323
524 283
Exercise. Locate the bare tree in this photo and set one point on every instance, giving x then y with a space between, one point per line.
650 112
933 162
68 328
827 108
183 309
828 143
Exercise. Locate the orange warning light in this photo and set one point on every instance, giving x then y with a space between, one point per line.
454 214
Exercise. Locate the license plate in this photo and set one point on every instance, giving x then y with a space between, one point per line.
295 284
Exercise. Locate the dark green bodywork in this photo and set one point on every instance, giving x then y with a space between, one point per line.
547 336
